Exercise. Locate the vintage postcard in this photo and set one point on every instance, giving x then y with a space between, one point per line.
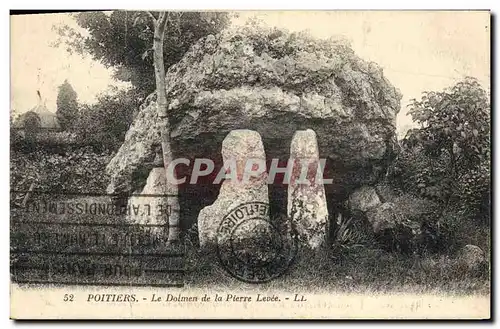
250 165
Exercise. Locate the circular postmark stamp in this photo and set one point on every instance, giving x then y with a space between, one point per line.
251 247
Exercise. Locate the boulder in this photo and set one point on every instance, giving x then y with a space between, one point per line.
363 199
275 83
399 220
238 147
386 192
307 206
472 257
383 217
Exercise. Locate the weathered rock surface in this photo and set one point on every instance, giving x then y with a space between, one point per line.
135 151
307 206
383 217
273 82
364 199
384 207
237 148
150 205
472 257
398 220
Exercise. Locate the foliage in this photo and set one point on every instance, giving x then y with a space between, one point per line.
123 40
348 234
44 140
32 124
80 170
420 174
447 159
105 123
457 229
456 122
192 237
67 105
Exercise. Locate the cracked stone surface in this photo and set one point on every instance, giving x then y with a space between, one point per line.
237 147
307 206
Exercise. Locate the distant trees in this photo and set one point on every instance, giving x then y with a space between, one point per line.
136 46
32 125
67 105
124 40
104 124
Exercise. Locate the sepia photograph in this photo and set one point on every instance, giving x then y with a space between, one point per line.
250 164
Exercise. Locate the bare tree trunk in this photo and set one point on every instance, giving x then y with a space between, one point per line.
161 91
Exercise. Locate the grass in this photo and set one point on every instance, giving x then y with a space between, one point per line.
363 270
358 270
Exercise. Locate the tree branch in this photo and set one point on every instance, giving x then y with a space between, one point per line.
152 17
162 19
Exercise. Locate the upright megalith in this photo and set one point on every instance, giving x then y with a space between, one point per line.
307 206
244 181
151 206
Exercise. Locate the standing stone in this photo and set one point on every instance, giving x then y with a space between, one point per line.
238 147
150 207
307 206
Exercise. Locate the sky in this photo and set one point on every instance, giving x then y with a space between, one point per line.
418 51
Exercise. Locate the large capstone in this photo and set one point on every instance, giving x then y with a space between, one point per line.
239 148
275 83
307 206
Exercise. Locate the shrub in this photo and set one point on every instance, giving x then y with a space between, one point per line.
80 170
349 233
447 159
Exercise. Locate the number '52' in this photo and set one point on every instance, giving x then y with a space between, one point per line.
68 297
